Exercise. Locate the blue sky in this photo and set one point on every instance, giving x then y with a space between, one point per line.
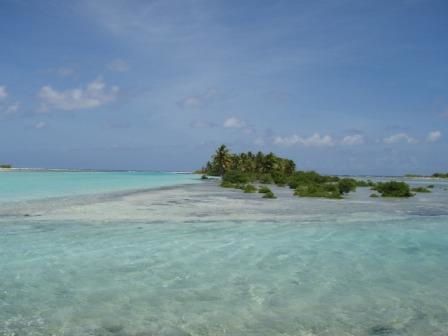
346 87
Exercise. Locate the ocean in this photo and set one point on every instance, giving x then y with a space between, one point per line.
358 266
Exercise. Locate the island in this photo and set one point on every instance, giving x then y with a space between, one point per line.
440 175
435 175
251 172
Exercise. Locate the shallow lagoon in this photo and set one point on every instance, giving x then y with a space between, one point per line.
359 266
23 185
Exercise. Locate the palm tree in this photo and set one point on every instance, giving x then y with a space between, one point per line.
290 167
269 163
259 158
222 160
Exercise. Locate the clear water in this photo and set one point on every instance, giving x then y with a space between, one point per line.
26 185
356 267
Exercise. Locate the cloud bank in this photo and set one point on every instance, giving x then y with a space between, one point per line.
400 138
234 122
350 140
95 94
315 140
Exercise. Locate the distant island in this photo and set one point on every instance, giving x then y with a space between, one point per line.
5 166
440 175
435 175
244 170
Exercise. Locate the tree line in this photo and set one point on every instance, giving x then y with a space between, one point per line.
257 164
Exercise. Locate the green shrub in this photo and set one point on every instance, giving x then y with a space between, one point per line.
250 188
280 179
234 176
309 177
327 190
293 184
204 177
393 189
226 184
421 190
265 179
374 195
269 194
264 190
363 183
431 186
346 185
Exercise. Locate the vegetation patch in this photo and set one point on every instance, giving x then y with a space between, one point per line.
225 184
265 179
436 175
258 166
269 194
309 177
327 190
362 183
241 170
264 190
249 189
421 190
393 189
234 176
347 185
440 175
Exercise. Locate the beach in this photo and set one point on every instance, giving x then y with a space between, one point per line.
197 259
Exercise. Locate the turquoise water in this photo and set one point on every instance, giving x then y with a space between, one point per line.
356 267
26 185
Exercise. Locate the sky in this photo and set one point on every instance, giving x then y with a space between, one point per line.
341 87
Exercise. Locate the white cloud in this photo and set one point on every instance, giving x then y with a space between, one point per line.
3 92
118 65
95 94
400 137
191 102
40 124
355 139
314 140
434 136
234 122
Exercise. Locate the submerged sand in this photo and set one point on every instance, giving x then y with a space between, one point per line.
209 202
